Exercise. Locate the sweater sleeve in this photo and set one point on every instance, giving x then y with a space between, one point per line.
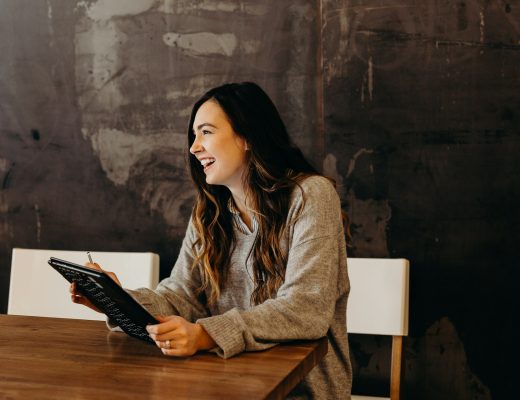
177 294
305 303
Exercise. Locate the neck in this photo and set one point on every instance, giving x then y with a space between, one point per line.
239 197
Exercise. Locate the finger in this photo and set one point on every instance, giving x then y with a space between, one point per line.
170 335
170 324
93 266
98 267
165 344
78 299
158 328
174 352
74 289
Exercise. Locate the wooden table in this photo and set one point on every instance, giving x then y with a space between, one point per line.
54 358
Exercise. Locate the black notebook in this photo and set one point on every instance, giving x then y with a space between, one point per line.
107 296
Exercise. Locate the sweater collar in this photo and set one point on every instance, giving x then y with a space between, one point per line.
239 222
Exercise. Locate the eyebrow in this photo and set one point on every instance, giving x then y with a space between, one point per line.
205 124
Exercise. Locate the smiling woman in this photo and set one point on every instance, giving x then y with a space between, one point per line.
221 152
264 256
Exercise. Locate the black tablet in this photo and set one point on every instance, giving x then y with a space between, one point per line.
108 296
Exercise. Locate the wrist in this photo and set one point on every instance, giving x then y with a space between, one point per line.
204 340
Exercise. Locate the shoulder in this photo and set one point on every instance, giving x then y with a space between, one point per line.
314 211
314 194
314 188
317 183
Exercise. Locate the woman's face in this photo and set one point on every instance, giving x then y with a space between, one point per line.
219 149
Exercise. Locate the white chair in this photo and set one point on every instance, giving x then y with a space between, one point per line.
37 289
378 305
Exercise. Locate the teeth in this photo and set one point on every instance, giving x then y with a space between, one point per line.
206 161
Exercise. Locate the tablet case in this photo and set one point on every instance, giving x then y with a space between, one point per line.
107 296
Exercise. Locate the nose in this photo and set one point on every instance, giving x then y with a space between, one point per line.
196 146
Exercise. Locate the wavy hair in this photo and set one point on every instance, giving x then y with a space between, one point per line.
275 167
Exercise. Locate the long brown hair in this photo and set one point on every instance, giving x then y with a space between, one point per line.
275 168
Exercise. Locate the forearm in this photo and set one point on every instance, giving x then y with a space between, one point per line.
266 325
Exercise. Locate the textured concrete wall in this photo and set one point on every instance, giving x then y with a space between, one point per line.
412 107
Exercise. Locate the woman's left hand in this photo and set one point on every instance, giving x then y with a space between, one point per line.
177 337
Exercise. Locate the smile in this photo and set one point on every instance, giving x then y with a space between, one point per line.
207 162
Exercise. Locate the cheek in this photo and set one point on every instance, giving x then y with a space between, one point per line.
240 158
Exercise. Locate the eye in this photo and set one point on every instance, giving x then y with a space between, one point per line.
206 132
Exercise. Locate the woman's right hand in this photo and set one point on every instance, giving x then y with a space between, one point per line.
78 298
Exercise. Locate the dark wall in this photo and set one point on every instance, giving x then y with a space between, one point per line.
412 107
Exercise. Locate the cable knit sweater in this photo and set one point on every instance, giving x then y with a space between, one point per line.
311 302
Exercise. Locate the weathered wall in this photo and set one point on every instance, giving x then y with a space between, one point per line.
412 107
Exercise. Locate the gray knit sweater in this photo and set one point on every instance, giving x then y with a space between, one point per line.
310 304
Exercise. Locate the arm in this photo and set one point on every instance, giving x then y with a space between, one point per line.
175 303
305 304
177 295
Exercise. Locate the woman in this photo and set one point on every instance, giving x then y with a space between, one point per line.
264 259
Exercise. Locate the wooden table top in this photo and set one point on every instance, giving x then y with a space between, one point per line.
54 358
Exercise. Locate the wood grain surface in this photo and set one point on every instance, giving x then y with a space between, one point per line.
53 358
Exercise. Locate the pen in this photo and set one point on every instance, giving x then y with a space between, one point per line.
89 257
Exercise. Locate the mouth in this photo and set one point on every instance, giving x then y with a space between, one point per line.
207 163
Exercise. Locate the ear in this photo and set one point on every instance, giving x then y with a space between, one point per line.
247 147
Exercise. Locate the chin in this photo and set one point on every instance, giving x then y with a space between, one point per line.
210 181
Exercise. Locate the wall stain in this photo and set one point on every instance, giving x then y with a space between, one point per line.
437 41
462 16
35 133
202 43
226 7
102 10
441 349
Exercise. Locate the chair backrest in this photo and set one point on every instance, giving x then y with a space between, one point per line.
37 289
378 299
378 305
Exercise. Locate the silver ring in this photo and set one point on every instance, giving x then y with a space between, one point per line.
167 344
